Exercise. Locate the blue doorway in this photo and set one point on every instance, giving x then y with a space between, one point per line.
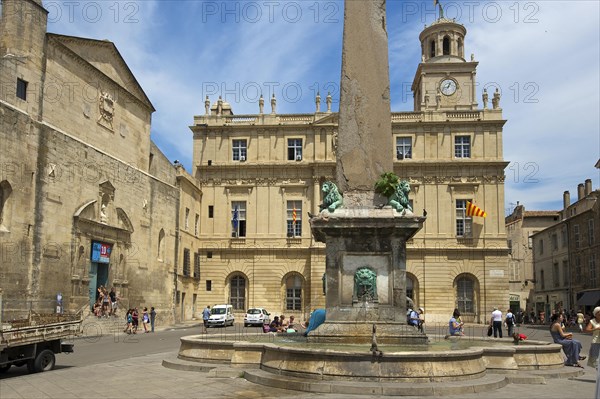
98 277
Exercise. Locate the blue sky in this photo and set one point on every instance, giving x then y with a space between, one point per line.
544 56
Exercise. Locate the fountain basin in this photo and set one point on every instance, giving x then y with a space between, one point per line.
360 365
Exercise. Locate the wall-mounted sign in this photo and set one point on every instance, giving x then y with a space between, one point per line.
101 252
496 273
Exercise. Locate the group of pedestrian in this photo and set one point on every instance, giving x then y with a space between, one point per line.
559 321
133 317
497 321
106 302
281 324
571 346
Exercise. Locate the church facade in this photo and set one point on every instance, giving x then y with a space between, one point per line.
261 174
87 199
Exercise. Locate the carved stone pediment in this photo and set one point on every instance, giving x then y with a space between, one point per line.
86 223
103 56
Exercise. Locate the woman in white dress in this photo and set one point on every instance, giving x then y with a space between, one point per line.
594 328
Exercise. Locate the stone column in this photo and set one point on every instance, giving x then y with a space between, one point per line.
365 139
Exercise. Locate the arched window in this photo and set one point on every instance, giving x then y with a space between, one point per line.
161 244
432 49
446 46
410 288
5 191
293 292
465 294
237 292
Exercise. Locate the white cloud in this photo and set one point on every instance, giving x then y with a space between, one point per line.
552 128
545 58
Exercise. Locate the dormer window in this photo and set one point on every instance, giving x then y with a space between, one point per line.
446 46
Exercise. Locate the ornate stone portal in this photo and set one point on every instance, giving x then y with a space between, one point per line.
365 241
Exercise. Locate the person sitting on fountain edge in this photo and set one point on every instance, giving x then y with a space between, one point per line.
455 327
274 326
413 319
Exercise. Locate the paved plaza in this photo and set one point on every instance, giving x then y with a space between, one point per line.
145 377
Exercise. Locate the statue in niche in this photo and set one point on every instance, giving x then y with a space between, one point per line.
365 285
399 200
103 214
333 198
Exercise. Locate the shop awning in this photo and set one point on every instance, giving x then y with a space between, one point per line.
589 298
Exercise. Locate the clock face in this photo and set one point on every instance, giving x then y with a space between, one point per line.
448 87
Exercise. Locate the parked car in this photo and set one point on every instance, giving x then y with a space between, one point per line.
221 315
256 317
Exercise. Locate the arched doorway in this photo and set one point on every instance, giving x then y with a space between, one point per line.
466 288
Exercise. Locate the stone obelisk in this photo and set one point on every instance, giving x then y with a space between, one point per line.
365 241
365 133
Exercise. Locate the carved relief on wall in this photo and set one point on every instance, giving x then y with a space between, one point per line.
106 106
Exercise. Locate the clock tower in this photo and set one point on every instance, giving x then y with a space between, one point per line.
444 79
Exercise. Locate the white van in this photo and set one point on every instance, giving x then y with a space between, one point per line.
221 315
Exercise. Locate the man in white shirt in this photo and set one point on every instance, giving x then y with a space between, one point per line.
496 322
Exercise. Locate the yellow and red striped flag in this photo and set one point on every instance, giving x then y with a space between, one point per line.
474 210
294 216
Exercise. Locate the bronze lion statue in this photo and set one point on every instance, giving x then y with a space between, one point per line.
399 200
333 198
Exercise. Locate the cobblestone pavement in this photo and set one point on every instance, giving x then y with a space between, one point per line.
145 377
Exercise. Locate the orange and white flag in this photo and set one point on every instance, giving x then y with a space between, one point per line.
474 210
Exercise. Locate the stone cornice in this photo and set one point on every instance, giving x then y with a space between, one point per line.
219 126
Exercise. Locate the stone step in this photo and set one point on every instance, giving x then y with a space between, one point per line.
488 382
214 370
175 363
563 372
